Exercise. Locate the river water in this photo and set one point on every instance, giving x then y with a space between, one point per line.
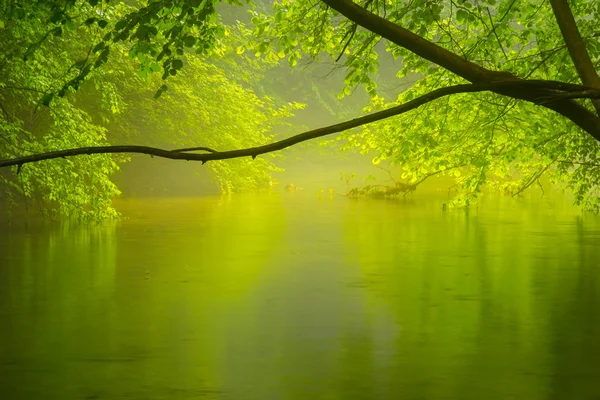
286 296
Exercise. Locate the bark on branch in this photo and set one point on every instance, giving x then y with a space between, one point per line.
546 92
576 46
468 70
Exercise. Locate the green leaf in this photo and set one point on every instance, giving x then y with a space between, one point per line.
160 91
177 64
462 15
56 16
79 64
47 99
98 47
189 41
120 25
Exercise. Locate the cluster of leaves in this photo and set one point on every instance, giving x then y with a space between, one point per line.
79 187
481 140
58 91
294 30
157 34
206 106
485 139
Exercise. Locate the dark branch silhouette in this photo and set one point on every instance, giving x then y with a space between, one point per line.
577 113
195 149
576 46
545 92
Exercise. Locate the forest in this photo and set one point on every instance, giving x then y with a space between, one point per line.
299 199
495 95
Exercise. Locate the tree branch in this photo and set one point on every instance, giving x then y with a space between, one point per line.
544 87
468 70
351 31
495 33
194 149
581 59
534 178
414 43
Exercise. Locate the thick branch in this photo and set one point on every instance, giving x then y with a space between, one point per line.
583 64
454 63
416 44
547 88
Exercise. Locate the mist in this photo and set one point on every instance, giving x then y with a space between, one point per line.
300 199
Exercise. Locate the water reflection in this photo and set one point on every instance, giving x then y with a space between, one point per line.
289 297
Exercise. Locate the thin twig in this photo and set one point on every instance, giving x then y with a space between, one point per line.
496 34
534 178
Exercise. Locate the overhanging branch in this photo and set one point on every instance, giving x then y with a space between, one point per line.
576 46
547 90
468 70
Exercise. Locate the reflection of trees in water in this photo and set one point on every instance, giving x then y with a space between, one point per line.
475 296
46 253
575 325
280 296
54 283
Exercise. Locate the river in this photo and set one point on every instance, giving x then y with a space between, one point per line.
287 296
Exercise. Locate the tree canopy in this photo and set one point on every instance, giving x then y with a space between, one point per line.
57 93
502 92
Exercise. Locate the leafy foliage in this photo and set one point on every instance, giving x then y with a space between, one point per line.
51 102
204 105
481 140
78 187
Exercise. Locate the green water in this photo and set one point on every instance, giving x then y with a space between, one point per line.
290 297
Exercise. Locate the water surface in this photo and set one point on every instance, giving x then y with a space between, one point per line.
286 296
